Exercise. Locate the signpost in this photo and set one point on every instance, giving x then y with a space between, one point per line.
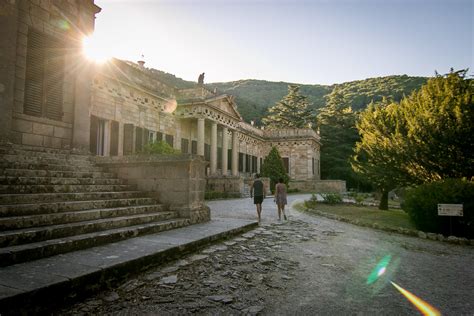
450 210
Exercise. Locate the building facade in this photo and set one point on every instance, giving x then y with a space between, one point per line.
52 96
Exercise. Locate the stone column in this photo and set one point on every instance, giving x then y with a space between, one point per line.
235 154
213 148
225 144
8 47
200 137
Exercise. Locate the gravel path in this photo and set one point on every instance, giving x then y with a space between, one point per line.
306 266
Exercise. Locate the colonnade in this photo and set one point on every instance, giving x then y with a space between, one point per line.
201 124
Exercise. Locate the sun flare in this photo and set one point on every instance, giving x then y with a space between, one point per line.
93 50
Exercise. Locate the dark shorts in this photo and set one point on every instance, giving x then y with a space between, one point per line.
258 199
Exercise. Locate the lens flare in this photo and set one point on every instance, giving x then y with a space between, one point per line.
379 270
93 49
425 308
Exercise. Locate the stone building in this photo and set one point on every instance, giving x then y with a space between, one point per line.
51 96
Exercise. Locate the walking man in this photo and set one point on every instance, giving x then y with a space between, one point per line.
257 191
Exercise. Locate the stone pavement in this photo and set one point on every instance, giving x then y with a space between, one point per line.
26 287
308 265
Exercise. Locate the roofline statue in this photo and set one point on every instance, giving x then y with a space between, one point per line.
201 79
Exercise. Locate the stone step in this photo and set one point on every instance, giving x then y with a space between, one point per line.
28 252
58 197
9 180
46 160
28 235
63 188
36 149
20 222
70 206
55 173
46 166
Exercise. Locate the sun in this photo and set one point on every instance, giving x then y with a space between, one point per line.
93 49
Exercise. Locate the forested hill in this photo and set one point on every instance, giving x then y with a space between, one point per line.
255 96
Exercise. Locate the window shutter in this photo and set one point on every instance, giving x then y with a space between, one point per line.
44 76
34 74
54 79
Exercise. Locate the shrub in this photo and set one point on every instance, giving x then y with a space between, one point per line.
274 169
159 148
312 202
332 198
421 204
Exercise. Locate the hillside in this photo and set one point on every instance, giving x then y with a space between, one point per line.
255 96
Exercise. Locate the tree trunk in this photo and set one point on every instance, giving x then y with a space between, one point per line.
384 200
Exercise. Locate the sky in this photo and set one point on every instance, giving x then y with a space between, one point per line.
310 42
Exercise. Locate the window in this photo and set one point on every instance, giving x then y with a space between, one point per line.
138 139
151 136
286 164
229 159
184 145
114 138
128 139
194 147
207 152
169 139
44 76
241 162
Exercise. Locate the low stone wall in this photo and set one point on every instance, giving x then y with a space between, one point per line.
229 184
178 182
319 186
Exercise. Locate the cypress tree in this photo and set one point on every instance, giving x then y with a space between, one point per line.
274 169
291 112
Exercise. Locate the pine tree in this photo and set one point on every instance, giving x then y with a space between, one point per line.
338 137
291 112
273 168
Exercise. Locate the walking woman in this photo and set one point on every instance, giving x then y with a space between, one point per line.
280 198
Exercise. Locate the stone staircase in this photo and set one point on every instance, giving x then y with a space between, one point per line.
56 201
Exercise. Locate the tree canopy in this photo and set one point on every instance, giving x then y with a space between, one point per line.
292 111
427 137
273 168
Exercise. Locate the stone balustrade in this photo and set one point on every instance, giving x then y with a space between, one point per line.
290 133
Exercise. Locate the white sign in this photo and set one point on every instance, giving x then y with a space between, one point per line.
450 210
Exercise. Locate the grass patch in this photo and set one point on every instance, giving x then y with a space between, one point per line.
366 214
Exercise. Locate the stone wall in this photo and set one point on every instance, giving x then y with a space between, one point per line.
65 22
319 186
178 182
229 184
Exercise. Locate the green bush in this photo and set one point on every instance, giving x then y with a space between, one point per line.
159 148
312 202
421 204
332 198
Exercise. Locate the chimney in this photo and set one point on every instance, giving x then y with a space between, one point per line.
141 62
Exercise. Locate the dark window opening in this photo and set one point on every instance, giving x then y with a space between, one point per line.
184 145
169 139
44 76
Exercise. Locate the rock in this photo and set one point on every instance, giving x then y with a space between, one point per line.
431 236
253 310
182 263
111 297
153 276
198 257
172 279
421 234
221 248
251 258
229 243
240 239
226 299
131 285
248 235
169 270
209 251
